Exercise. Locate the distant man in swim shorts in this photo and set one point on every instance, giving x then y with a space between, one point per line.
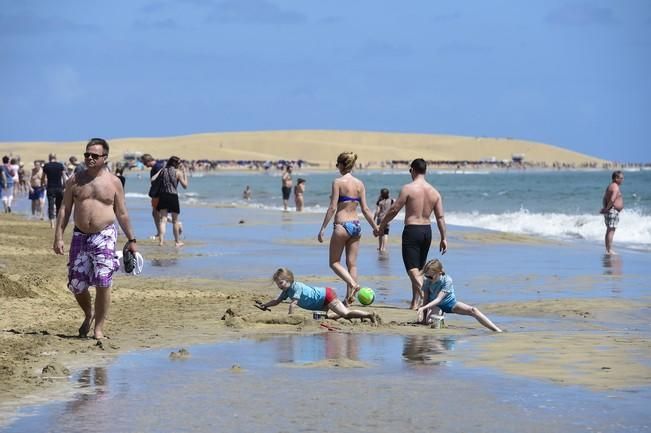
37 190
420 200
98 200
54 178
287 186
613 204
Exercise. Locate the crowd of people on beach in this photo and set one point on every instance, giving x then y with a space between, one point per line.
93 196
205 165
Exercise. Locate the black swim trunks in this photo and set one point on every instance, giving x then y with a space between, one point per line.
286 192
416 240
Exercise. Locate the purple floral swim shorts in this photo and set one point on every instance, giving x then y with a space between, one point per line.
92 259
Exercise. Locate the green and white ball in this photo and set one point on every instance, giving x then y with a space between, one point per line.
366 296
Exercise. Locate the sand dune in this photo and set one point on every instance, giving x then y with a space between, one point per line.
320 147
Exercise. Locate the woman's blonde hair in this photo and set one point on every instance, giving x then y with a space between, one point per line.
434 265
283 274
347 160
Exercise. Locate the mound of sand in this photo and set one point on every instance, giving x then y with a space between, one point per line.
320 147
13 289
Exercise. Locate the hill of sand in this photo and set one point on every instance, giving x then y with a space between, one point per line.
321 147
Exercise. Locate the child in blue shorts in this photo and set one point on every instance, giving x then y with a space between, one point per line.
314 298
439 296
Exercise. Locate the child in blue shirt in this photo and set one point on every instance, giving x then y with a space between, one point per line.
314 298
439 296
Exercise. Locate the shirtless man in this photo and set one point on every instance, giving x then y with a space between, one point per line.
287 185
420 200
37 190
98 200
612 203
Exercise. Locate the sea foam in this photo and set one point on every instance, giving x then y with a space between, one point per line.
634 228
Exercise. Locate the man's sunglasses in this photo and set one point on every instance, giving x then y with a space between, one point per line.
94 156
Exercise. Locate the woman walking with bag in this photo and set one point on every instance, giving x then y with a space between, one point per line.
168 203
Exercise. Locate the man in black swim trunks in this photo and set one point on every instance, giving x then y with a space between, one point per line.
54 178
287 186
420 200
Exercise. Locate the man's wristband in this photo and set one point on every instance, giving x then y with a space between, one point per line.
132 240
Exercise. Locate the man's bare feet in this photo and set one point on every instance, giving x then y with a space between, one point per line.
179 244
84 329
99 335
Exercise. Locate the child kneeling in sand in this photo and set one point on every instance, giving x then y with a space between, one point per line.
313 298
439 294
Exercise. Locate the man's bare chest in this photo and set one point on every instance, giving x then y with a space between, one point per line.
95 191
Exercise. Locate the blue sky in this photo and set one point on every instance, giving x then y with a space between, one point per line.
575 74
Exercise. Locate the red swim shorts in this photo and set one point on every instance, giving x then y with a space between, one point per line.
331 295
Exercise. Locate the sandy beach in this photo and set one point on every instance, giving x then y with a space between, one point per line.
38 326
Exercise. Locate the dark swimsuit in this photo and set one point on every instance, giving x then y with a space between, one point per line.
416 240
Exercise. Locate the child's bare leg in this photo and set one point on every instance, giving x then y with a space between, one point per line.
338 308
469 310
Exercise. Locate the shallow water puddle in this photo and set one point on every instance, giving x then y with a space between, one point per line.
325 382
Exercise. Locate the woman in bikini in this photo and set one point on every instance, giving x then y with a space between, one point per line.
347 192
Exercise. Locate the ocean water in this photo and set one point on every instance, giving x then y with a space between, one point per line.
219 247
548 204
229 238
